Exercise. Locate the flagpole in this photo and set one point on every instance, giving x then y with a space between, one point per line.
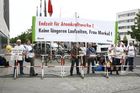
37 11
60 13
45 11
40 7
76 27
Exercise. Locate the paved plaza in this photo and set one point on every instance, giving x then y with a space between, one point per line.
54 83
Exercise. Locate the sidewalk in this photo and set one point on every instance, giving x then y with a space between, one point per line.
137 55
54 83
3 71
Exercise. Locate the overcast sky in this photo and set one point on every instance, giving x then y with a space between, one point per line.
21 11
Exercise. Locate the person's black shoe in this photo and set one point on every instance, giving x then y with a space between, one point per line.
131 70
124 68
117 73
22 74
78 73
33 75
71 74
110 73
93 72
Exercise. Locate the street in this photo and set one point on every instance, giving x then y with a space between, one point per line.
54 83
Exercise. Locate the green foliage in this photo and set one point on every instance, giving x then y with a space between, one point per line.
24 36
125 38
135 33
118 37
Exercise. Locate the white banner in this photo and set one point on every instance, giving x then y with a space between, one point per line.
73 30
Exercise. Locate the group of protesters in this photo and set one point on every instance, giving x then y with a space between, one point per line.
117 55
26 54
122 55
88 55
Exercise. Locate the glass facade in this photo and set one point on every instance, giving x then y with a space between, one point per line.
6 12
3 40
4 35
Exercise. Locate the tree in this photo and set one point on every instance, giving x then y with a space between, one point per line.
135 33
119 38
24 36
125 40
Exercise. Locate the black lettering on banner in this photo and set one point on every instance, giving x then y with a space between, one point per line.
79 31
43 30
40 38
52 30
92 32
103 33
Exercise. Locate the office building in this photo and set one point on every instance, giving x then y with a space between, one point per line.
4 23
125 20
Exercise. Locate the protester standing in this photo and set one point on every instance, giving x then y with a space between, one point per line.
119 50
131 52
91 57
111 56
83 52
21 52
30 57
74 59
